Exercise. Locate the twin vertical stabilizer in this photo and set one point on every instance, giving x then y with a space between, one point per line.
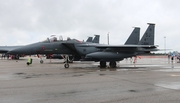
148 37
134 37
96 39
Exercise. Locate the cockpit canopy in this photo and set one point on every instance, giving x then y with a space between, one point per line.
54 38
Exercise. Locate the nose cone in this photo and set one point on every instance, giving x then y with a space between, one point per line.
31 49
22 50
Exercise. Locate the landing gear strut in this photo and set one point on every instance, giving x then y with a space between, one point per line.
66 59
41 61
17 56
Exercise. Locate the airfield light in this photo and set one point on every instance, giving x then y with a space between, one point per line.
165 44
108 38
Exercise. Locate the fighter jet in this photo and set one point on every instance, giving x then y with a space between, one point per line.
92 51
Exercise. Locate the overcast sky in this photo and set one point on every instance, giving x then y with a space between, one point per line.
27 21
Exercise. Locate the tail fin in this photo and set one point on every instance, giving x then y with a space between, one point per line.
148 37
96 39
134 37
89 39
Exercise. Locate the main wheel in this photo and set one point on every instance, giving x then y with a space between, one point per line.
112 64
102 64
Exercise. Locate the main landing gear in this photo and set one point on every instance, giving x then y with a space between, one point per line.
66 61
112 64
102 64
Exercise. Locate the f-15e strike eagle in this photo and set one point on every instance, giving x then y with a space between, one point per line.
92 51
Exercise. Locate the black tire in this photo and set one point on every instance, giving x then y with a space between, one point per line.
41 61
112 64
66 65
102 64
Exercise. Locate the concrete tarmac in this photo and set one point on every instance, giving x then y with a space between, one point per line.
150 80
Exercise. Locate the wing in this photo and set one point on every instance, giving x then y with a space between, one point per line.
123 48
128 48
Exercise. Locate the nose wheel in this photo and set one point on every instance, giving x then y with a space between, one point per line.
66 65
41 61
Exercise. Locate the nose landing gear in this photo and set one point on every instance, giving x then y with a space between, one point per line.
66 59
